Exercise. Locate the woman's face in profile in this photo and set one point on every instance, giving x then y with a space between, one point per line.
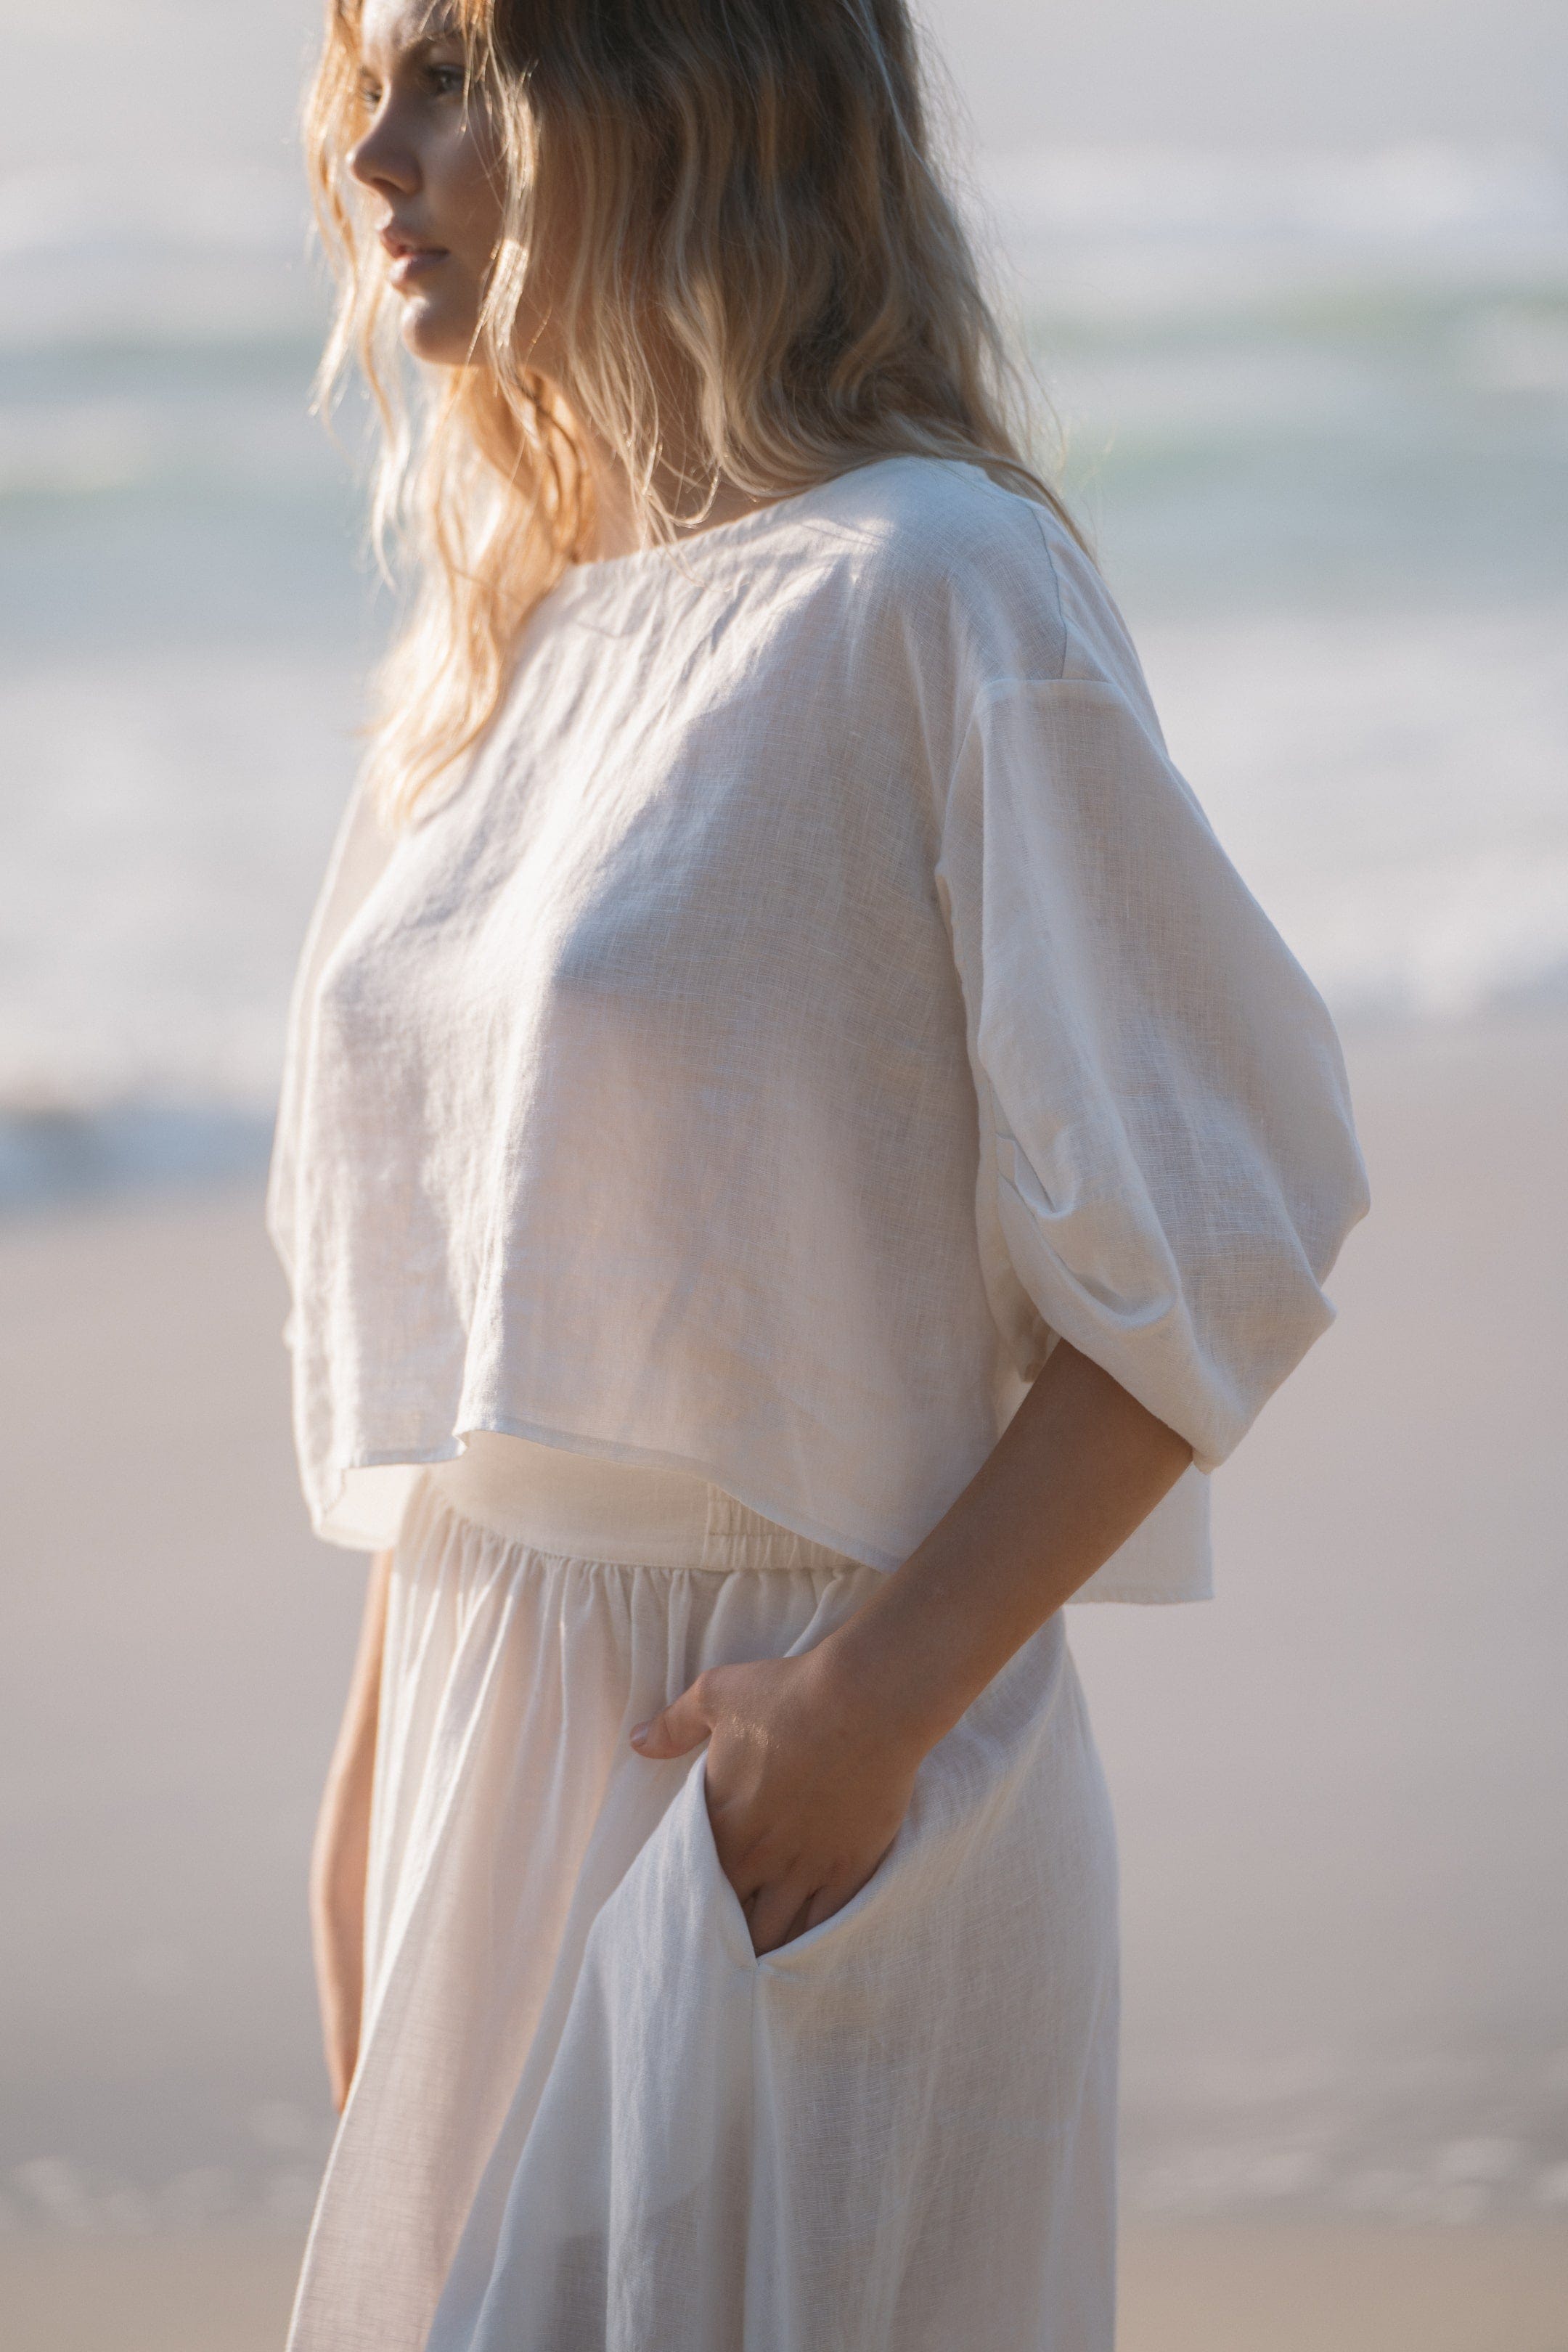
431 161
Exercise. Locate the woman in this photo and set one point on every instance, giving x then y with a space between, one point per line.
798 1155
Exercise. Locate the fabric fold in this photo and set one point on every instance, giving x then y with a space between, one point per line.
1170 1161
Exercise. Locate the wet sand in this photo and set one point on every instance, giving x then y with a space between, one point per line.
1324 2286
1200 2287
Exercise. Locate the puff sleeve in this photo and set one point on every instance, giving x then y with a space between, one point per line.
1168 1165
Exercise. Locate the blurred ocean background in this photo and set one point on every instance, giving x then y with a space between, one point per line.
1315 408
1314 397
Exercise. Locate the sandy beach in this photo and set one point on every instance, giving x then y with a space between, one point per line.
1341 1788
1204 2287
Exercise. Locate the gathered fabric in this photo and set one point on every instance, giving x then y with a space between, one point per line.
586 2118
817 996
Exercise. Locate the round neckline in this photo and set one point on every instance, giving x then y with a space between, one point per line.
739 527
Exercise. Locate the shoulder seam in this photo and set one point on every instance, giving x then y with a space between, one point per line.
1000 689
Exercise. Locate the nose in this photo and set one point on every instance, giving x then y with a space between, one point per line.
383 161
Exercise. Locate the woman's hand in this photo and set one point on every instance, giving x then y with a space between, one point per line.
811 1759
807 1783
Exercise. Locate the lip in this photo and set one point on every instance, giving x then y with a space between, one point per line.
409 257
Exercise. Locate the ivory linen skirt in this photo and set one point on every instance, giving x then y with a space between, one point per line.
586 2118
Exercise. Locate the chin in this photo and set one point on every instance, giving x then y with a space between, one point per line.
436 338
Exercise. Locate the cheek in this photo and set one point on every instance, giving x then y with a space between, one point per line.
472 199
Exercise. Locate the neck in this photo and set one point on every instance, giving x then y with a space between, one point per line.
616 529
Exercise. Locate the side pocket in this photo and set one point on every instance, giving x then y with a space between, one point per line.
849 1924
726 1905
722 1902
694 1851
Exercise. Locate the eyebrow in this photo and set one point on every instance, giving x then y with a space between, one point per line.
419 49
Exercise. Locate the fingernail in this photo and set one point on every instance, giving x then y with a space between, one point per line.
640 1734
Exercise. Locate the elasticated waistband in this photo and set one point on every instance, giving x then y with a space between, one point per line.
630 1514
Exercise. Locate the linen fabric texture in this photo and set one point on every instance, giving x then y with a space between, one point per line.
586 2118
817 996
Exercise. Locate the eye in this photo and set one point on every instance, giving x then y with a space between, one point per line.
369 94
448 81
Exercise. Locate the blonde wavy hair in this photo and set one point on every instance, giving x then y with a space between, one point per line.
755 199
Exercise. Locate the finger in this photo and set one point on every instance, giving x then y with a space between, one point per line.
676 1731
774 1914
824 1903
835 1893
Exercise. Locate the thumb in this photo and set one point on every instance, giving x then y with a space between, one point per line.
676 1731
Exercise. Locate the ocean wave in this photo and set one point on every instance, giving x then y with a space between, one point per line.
204 254
1413 191
66 213
69 1154
1418 190
1138 235
1458 2132
1390 778
1392 786
167 255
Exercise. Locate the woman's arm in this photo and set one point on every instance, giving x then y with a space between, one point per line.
812 1760
339 1861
